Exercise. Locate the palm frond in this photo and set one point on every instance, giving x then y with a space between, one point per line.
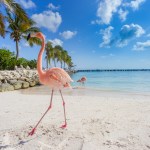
32 30
9 16
16 9
33 40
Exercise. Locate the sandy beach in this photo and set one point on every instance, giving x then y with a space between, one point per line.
99 120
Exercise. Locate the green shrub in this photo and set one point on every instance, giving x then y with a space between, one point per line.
8 61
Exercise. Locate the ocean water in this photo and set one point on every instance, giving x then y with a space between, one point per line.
129 81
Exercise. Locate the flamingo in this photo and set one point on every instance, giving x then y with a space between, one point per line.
82 80
55 78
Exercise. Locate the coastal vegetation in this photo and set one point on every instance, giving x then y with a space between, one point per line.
8 61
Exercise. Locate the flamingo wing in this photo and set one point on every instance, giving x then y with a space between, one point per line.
59 75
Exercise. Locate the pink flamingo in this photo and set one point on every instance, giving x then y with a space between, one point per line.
55 78
82 80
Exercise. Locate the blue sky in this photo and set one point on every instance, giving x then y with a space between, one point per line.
98 34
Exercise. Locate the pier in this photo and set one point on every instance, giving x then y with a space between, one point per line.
107 70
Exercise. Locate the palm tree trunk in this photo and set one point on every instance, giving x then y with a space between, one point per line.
54 62
47 63
17 50
64 65
61 64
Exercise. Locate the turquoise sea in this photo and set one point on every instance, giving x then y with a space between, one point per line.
129 81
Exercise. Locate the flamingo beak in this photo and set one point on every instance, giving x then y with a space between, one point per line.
28 37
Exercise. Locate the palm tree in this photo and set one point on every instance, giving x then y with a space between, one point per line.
69 61
12 7
59 52
19 30
56 54
49 53
71 65
64 57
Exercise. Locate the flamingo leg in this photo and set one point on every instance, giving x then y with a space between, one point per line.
50 106
65 125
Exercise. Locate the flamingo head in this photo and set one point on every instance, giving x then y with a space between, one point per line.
37 35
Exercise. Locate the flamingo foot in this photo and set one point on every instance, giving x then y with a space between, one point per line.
64 126
32 132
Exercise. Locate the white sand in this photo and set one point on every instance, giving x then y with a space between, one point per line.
108 121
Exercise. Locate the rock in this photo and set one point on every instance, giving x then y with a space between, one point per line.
32 83
21 67
16 84
15 75
5 81
20 78
28 68
25 84
12 81
16 68
37 81
1 77
6 87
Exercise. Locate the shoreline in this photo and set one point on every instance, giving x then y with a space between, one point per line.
41 89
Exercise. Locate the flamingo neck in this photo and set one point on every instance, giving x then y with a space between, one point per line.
39 61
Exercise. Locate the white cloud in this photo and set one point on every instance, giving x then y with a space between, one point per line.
130 30
56 42
27 4
141 46
123 14
68 34
136 3
106 9
48 19
52 7
127 32
106 36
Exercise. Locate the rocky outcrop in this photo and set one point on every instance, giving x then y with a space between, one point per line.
16 84
6 87
18 79
25 84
